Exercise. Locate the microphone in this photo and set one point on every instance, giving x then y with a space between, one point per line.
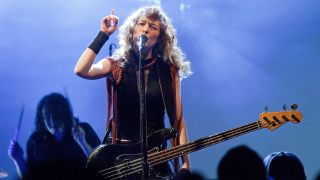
142 39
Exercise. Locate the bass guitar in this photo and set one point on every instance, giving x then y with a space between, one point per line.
112 161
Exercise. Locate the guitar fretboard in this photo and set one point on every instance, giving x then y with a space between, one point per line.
165 155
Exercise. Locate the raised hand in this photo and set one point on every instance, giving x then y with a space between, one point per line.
15 151
109 23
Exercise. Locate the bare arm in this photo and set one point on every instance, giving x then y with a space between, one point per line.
85 66
183 136
86 69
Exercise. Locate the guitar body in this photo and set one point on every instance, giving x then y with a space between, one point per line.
117 161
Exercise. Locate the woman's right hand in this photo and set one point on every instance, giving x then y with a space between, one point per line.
15 151
109 23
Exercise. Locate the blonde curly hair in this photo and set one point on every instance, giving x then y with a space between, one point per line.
167 45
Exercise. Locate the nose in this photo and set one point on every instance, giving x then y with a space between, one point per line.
146 28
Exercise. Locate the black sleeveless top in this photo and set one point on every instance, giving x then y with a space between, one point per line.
128 117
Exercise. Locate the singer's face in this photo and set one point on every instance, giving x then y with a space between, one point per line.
151 28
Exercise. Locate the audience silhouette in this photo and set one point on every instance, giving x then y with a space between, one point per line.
241 162
284 166
187 175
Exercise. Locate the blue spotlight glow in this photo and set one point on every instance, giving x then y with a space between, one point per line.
156 2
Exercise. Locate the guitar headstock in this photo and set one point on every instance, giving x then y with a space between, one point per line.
273 120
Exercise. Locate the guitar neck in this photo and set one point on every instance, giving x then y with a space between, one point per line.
165 155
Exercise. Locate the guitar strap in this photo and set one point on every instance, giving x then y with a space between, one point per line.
111 83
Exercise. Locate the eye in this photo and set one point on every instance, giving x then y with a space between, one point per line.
154 27
141 23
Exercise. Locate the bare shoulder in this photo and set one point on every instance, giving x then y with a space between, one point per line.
109 61
105 64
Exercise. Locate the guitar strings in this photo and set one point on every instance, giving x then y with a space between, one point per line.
162 156
118 167
125 172
176 149
156 158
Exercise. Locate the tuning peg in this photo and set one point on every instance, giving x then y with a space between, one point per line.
294 106
284 107
266 108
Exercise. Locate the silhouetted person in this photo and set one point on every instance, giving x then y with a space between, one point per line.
59 146
284 166
241 162
318 176
187 175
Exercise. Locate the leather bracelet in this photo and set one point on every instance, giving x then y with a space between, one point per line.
98 42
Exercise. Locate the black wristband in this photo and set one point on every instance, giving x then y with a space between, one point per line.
98 42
